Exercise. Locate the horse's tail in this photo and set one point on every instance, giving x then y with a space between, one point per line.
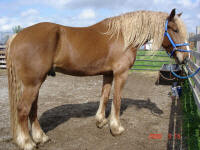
14 86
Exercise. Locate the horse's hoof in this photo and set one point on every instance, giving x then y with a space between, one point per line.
102 123
28 146
43 138
25 143
116 130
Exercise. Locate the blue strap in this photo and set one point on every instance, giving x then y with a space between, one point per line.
184 77
170 39
180 50
172 53
184 44
183 50
166 25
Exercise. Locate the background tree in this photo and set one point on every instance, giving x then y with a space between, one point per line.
17 29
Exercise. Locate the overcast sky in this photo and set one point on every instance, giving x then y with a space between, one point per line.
88 12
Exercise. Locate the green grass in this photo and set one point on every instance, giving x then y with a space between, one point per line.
154 65
191 118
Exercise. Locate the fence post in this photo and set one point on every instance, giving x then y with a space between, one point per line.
2 57
198 43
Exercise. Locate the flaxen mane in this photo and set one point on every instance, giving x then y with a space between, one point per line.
139 27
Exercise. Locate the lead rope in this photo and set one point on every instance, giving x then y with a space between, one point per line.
184 77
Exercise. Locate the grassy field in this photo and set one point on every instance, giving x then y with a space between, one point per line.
191 119
153 56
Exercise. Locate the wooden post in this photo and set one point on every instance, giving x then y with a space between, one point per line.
198 43
2 57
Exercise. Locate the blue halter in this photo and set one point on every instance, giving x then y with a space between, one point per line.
180 50
174 44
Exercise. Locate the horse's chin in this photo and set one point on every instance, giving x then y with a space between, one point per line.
177 61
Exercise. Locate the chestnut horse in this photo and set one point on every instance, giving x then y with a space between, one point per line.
107 48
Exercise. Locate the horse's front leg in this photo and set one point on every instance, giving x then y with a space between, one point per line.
119 80
100 115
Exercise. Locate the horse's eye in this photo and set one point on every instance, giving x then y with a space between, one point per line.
176 30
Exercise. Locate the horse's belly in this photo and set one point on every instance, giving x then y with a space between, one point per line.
83 71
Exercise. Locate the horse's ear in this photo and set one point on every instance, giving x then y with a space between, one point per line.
179 14
172 14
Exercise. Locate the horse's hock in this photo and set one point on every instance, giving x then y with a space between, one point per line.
67 107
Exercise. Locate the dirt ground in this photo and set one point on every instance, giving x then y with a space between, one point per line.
67 107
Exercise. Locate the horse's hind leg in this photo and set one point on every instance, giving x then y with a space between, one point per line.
23 138
100 115
38 135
